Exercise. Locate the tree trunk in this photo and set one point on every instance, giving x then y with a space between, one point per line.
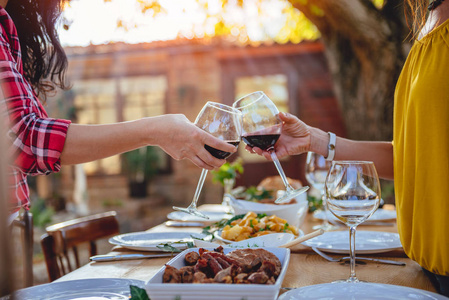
365 47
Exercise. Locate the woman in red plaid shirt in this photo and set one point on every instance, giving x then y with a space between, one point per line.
33 63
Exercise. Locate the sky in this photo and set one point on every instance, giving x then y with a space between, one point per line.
95 21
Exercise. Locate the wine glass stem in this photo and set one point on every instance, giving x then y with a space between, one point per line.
199 187
326 210
276 162
352 230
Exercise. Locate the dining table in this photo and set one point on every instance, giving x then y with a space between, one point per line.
305 268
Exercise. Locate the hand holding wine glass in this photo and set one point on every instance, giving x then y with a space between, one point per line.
353 195
223 122
262 128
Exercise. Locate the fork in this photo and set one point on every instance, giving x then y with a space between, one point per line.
383 261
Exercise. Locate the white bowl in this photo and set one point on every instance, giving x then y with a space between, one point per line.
218 291
293 213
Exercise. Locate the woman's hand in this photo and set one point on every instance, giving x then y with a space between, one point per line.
181 139
295 138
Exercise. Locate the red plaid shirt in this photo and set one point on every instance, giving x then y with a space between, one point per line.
36 141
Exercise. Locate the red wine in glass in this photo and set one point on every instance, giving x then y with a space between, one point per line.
221 154
262 141
262 128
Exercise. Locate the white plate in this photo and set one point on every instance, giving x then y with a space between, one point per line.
365 242
214 216
149 241
379 215
217 235
101 288
361 290
218 291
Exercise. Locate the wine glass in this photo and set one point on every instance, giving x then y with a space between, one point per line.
353 195
262 128
317 168
223 122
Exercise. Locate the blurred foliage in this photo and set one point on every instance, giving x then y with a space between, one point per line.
387 193
141 164
315 203
254 194
112 203
229 170
42 214
296 26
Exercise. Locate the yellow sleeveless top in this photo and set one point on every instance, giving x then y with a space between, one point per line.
421 151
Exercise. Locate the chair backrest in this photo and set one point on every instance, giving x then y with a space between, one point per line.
65 236
25 223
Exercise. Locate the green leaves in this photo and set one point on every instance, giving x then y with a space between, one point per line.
138 293
314 203
254 194
168 247
227 171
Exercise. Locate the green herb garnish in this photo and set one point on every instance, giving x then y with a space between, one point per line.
314 203
138 293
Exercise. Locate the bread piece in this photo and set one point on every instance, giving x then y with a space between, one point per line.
274 184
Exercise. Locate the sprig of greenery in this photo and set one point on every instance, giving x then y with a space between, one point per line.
168 247
252 193
314 203
138 293
229 170
210 230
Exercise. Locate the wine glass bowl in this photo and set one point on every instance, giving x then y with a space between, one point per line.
261 127
223 122
317 168
353 195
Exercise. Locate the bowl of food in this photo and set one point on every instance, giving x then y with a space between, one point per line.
268 189
252 225
221 274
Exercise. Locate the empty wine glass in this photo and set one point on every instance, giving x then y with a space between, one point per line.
223 122
353 195
317 168
262 128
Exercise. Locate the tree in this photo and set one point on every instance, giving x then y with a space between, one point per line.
365 45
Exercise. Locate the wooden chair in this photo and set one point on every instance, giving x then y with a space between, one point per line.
25 223
68 235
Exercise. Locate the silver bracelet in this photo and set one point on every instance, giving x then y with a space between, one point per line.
331 146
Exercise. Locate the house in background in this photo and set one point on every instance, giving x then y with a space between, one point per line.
120 82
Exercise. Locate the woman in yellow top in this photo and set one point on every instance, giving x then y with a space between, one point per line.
418 160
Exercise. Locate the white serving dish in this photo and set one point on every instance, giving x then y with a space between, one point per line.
293 213
218 291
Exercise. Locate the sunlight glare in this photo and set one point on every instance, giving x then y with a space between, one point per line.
95 22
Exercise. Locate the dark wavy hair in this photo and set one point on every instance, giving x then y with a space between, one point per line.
44 59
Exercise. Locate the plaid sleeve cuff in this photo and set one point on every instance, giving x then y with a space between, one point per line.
48 143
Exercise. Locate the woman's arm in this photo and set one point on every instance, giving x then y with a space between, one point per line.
175 134
297 138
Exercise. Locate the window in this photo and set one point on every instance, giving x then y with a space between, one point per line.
274 86
97 102
94 102
143 96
